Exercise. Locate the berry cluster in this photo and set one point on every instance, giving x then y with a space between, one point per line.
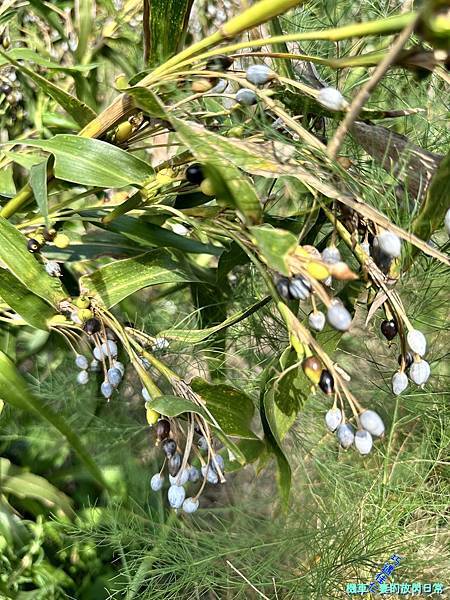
11 98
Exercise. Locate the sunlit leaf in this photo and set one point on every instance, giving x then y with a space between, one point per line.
33 309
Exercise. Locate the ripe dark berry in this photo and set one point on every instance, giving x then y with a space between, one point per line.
91 326
194 174
409 359
326 382
33 246
169 447
219 63
162 429
283 288
389 329
174 464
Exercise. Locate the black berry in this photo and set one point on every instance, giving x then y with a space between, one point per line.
33 246
194 174
389 329
409 359
91 326
219 63
169 447
326 382
162 429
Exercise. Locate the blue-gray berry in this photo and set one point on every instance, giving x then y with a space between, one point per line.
371 421
114 376
419 372
81 362
417 341
176 495
363 441
333 418
246 97
156 482
194 474
106 389
339 317
190 505
316 320
399 382
258 74
53 268
83 377
345 435
331 98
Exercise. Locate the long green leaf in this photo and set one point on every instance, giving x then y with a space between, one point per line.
14 391
168 24
116 281
34 57
30 307
14 253
38 183
92 162
79 111
194 336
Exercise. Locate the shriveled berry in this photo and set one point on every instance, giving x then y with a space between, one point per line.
176 495
53 268
180 478
331 98
190 505
339 317
194 174
33 246
333 418
174 463
106 389
417 341
312 368
169 447
399 382
331 255
114 376
92 326
81 361
408 359
162 429
156 482
326 382
258 74
345 435
283 288
194 474
371 421
316 320
389 244
389 329
299 288
363 441
419 372
83 377
246 97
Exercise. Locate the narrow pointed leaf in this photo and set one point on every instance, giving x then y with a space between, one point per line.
38 183
168 24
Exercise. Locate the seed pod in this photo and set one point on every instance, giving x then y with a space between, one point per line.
408 359
312 368
180 478
372 422
389 329
333 418
259 74
151 415
114 376
389 244
190 505
106 389
399 382
174 464
363 441
420 372
92 326
202 443
194 174
331 255
447 221
162 429
61 240
176 495
326 382
83 377
299 288
156 482
316 320
53 268
81 361
210 474
345 435
109 348
194 474
33 246
146 395
246 97
221 62
339 317
169 447
332 99
283 288
417 341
